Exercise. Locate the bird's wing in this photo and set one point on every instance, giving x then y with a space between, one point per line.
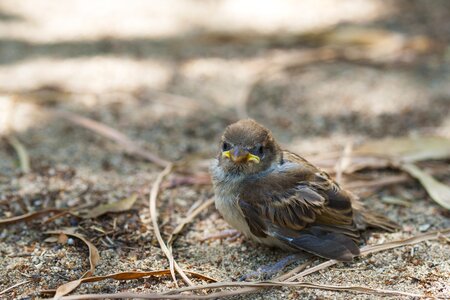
303 208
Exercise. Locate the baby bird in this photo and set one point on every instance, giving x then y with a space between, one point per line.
277 198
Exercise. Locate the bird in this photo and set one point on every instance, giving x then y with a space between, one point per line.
277 198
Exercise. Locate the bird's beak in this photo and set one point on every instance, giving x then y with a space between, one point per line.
239 155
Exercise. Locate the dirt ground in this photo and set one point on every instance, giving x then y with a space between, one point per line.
172 74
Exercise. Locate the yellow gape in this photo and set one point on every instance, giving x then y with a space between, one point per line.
253 158
226 154
247 157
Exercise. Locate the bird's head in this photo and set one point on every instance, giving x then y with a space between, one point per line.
247 148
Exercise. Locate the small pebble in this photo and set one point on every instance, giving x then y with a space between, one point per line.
70 241
424 227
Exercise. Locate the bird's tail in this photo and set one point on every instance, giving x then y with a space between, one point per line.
365 218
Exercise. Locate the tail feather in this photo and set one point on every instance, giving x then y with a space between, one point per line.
366 219
330 245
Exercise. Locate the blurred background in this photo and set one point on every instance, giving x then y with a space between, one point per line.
170 75
174 73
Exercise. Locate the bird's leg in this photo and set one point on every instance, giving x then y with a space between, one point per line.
267 271
230 235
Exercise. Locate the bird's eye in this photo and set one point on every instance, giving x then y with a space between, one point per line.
258 150
226 146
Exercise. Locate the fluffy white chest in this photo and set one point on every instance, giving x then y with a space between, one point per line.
228 207
227 191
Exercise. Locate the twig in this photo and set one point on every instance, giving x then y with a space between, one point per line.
22 153
154 217
130 146
188 219
29 216
300 268
266 284
390 180
14 286
343 162
250 287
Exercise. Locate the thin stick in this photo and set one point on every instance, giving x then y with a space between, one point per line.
390 180
251 287
154 217
189 219
358 289
294 271
130 146
343 162
14 286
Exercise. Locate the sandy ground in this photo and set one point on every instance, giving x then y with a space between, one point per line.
320 74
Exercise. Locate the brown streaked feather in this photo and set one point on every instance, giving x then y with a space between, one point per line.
256 225
365 219
302 208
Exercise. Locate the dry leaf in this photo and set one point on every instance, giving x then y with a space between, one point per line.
62 238
29 216
118 206
70 286
407 149
438 191
395 201
51 239
94 256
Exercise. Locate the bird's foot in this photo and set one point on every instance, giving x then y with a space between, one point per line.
266 272
230 235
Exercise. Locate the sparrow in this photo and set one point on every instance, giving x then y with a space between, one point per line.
279 199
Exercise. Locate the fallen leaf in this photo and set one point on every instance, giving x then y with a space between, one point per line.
70 286
62 238
438 191
118 206
395 201
51 239
407 149
29 216
94 256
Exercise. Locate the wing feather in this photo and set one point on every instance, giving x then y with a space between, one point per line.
305 209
